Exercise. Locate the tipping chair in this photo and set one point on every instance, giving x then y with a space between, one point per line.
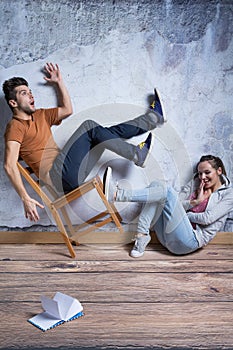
57 207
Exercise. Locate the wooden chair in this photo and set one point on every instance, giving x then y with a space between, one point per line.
57 207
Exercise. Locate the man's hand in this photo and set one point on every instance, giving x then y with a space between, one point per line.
54 74
30 209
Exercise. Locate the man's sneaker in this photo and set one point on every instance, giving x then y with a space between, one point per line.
143 150
157 106
140 244
109 187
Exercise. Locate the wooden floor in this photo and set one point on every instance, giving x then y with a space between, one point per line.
158 301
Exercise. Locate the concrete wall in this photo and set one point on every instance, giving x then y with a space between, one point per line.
112 54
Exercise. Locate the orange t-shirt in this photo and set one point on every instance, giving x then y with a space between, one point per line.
38 148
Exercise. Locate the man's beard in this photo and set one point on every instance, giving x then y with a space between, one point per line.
28 110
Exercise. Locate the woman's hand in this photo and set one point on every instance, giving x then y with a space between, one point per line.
202 194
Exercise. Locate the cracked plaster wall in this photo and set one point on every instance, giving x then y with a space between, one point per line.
112 54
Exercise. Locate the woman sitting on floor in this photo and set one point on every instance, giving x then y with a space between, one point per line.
182 226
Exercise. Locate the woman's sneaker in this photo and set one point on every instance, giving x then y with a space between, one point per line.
143 150
140 244
157 106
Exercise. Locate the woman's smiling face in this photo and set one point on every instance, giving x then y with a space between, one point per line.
209 175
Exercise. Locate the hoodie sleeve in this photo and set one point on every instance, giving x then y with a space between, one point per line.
222 207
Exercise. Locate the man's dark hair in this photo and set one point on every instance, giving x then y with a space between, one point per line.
9 86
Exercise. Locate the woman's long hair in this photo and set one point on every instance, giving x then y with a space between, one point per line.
215 162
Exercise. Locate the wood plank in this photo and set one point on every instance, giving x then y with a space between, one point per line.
223 238
161 326
159 301
101 237
124 287
110 266
97 237
39 252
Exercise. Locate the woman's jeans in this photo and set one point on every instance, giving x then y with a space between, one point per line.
163 212
86 145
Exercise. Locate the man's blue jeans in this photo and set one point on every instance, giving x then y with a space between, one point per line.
163 212
88 142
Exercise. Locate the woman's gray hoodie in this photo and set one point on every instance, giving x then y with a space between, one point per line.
214 217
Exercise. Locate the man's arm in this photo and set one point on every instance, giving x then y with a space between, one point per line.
54 77
10 165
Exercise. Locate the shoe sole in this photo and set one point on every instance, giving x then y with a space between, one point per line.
149 151
162 105
138 255
106 181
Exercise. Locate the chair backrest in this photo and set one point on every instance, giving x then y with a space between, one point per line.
27 173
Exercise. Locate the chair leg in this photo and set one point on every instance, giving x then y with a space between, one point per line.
70 226
59 204
116 217
110 207
63 231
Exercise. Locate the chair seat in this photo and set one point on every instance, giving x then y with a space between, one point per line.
57 203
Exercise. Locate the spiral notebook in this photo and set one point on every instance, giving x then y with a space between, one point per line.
62 308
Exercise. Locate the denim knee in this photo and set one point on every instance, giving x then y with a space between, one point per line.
88 124
161 191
